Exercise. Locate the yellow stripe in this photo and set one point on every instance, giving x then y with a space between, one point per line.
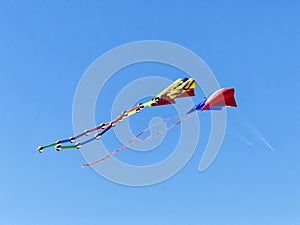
172 85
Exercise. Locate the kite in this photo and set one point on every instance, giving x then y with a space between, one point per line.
216 101
183 87
179 89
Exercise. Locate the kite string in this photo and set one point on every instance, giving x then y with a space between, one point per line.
129 143
136 137
109 127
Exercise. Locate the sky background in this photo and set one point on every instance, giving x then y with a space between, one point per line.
45 47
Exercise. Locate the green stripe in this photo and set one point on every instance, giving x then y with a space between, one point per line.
48 146
69 146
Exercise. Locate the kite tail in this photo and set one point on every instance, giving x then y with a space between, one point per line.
58 143
131 143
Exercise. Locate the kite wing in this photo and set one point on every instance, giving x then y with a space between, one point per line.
184 89
216 101
181 88
198 106
221 98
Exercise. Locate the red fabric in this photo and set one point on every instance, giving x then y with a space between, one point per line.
186 94
164 101
222 97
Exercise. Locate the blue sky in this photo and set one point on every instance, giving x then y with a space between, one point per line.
45 47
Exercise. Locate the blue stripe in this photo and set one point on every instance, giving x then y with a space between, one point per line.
65 141
87 141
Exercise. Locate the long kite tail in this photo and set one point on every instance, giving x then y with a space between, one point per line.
131 141
106 126
134 138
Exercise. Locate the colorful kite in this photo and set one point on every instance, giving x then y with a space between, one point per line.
216 101
183 87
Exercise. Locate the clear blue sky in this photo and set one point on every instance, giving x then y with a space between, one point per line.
45 47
